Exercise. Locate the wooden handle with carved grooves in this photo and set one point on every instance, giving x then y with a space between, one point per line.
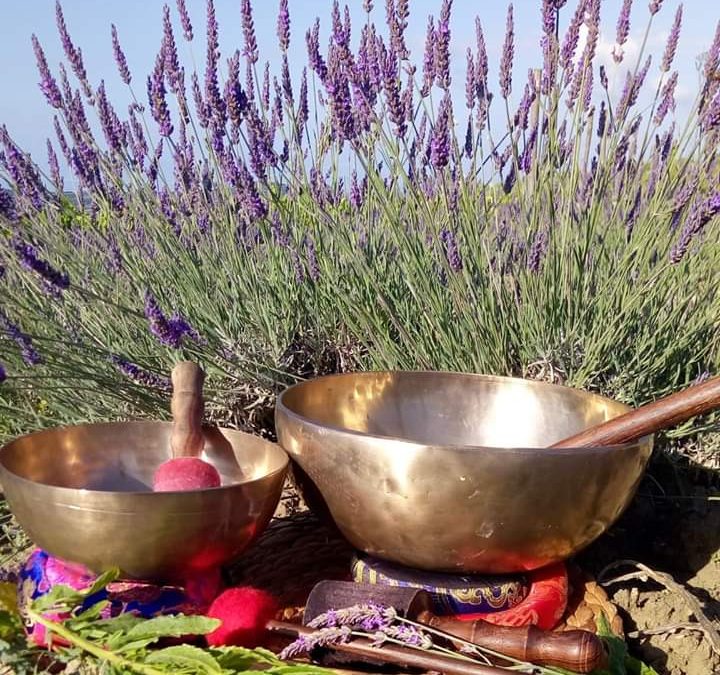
667 412
578 650
186 439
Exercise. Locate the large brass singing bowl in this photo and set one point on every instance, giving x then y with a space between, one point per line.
450 472
83 493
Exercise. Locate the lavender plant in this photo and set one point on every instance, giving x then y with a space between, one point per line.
358 216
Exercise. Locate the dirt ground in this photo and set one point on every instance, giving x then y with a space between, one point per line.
672 527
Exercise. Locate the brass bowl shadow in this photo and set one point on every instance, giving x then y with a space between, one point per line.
451 472
84 494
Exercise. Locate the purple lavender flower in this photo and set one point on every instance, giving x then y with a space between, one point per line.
538 248
572 35
632 89
54 167
109 121
253 203
549 45
632 214
469 139
120 59
185 20
235 98
28 352
29 258
320 638
169 332
391 82
701 213
397 15
711 116
283 25
587 89
265 91
73 54
667 99
369 616
201 107
440 135
672 43
312 262
712 58
156 98
452 252
215 103
356 196
3 373
623 30
507 55
442 47
602 120
251 48
654 6
48 86
509 181
603 77
470 86
171 63
429 58
303 112
409 635
312 39
139 375
527 154
7 205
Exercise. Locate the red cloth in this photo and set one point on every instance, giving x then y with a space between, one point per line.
543 607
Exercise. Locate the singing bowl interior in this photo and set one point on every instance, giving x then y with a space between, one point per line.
452 472
84 493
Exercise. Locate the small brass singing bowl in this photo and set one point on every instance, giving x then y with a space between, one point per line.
451 472
84 494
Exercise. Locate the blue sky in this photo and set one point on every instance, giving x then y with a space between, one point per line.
139 23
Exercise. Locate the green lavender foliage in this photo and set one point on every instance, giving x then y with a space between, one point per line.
575 241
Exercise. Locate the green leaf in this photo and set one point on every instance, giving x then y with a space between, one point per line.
177 625
93 612
62 596
199 660
240 658
636 667
616 647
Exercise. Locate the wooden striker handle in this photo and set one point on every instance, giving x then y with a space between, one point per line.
578 650
675 409
186 439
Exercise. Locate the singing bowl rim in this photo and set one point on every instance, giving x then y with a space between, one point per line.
61 490
281 409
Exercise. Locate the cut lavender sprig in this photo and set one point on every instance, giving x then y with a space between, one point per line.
409 635
370 615
321 638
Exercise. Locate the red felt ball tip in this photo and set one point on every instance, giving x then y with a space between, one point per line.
244 612
185 473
